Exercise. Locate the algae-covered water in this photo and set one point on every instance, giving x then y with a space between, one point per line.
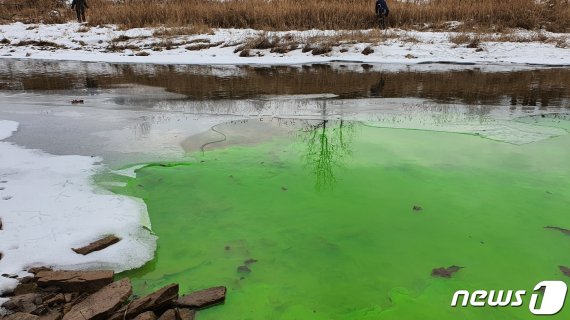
319 223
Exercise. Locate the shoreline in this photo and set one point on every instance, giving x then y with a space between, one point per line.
77 42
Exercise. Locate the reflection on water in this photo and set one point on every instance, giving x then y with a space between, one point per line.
467 85
326 143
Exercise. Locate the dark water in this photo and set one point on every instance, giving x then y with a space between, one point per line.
489 85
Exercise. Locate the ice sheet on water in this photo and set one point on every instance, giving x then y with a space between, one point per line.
508 129
49 205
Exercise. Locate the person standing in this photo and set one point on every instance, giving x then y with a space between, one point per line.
382 12
80 6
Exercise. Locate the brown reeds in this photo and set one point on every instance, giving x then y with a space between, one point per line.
552 15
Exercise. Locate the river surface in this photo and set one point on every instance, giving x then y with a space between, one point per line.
323 191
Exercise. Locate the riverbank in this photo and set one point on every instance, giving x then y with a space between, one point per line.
73 41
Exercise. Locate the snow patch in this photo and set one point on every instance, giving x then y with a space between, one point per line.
49 205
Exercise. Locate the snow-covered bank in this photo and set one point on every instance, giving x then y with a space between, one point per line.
73 41
49 204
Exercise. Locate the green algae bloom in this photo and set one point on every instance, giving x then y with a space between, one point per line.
321 224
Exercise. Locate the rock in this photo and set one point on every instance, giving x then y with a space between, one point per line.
170 314
203 298
159 300
97 245
186 314
38 269
417 208
149 315
445 272
103 303
25 303
75 281
21 316
243 269
58 299
565 270
249 261
52 315
24 288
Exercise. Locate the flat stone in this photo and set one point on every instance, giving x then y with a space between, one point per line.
159 300
170 314
97 245
186 314
103 303
203 298
21 316
75 281
149 315
445 272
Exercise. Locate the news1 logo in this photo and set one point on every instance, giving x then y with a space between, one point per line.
553 298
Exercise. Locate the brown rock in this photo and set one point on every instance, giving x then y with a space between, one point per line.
149 315
25 303
58 299
35 270
170 314
445 272
159 300
52 315
203 298
103 303
21 316
24 288
75 281
186 314
97 245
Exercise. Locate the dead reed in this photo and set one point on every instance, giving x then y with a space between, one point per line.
552 15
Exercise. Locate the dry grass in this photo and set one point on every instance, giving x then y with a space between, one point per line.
552 15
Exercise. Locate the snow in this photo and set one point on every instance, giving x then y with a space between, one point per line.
49 205
84 43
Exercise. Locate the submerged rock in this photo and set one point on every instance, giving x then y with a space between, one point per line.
203 298
243 269
97 245
445 272
250 261
565 270
417 208
565 231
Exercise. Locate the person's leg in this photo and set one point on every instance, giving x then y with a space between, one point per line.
83 14
78 12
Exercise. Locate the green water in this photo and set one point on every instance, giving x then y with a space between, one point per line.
327 214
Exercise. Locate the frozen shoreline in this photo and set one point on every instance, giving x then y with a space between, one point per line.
72 41
49 205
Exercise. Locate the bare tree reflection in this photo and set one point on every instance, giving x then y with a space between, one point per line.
327 144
